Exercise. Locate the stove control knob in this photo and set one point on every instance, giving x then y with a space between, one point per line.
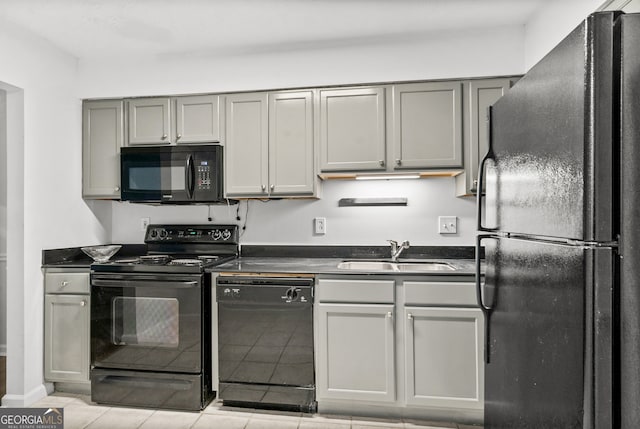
226 234
226 292
216 234
236 292
153 233
163 233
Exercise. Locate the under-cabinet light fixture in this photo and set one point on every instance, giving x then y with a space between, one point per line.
387 176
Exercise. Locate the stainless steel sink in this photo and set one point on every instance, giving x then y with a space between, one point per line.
395 266
424 266
367 266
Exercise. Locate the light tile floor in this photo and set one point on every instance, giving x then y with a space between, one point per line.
81 413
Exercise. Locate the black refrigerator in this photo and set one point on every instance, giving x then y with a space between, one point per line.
559 224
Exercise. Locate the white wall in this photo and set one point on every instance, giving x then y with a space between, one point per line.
3 223
434 56
44 204
291 221
552 23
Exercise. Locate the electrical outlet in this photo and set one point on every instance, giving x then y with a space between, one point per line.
447 224
320 225
144 223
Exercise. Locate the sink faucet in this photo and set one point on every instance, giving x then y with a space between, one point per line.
396 249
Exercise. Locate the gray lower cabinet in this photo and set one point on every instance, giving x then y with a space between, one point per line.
427 125
102 138
443 357
66 326
405 345
356 358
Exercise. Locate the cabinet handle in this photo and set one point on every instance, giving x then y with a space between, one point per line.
389 315
398 162
179 136
164 137
117 188
410 316
264 188
83 303
381 163
475 183
272 187
64 283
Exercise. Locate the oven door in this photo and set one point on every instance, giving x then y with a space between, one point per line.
147 322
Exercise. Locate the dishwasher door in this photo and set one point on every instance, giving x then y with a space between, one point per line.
265 342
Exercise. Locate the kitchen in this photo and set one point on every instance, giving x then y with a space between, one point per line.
38 220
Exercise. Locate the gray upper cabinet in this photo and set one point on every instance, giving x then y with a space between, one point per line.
149 121
247 144
269 148
352 129
198 119
291 148
480 95
102 137
164 120
427 125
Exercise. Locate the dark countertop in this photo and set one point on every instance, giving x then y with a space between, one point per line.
293 265
297 259
73 257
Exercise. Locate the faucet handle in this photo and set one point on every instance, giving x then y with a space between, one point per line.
405 244
392 242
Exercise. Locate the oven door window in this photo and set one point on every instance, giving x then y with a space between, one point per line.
142 321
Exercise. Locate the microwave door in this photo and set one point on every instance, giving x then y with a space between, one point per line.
177 178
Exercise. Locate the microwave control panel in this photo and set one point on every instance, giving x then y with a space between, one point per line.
203 176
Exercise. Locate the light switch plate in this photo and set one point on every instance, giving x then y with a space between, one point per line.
447 224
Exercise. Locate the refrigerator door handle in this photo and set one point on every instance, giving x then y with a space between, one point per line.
486 311
480 186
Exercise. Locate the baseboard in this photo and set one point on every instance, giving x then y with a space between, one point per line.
19 401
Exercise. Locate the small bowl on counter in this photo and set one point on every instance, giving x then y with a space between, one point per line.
101 253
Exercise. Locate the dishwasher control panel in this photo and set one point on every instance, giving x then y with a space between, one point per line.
264 290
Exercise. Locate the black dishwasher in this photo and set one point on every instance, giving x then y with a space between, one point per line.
265 342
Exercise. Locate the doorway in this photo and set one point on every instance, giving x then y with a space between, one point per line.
3 242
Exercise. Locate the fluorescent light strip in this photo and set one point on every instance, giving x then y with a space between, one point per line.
387 176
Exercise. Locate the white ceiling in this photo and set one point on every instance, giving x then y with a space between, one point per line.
100 29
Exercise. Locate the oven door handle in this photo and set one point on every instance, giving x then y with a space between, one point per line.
122 282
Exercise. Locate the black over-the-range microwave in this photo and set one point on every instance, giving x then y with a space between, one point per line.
172 174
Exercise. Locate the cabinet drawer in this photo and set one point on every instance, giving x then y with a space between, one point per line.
440 293
358 291
67 283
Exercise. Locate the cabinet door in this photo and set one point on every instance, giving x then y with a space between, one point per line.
291 166
149 121
482 94
246 170
102 135
444 357
356 352
198 119
427 125
352 129
66 339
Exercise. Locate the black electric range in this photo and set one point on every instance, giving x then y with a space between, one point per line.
151 319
